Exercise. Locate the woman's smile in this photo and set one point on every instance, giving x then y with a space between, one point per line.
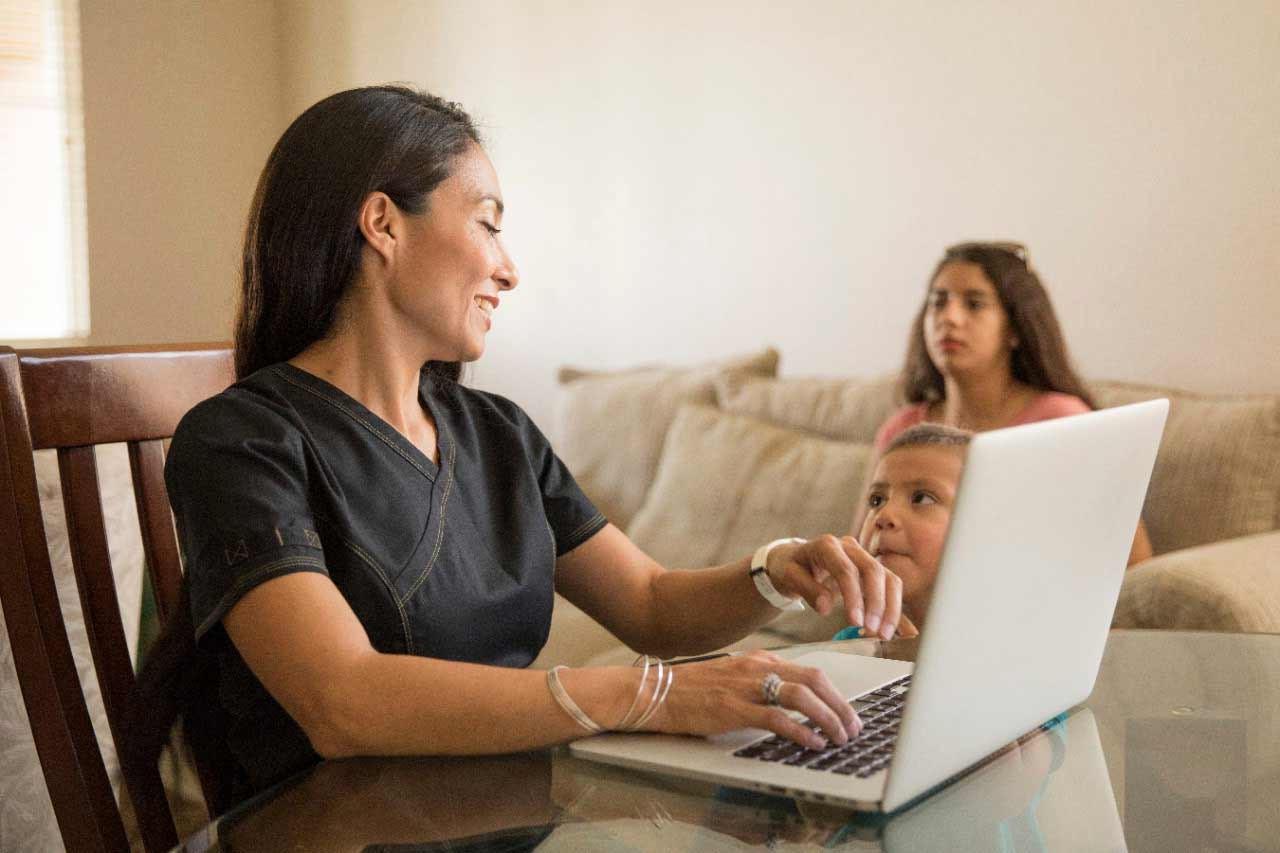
487 305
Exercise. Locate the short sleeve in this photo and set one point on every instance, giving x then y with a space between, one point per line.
238 482
570 514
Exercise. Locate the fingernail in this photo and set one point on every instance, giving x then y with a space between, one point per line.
817 742
873 623
887 631
857 617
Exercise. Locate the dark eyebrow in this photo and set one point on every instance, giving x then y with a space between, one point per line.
973 291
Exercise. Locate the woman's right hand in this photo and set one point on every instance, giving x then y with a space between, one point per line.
727 693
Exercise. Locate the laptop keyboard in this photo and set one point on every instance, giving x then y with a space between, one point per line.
870 751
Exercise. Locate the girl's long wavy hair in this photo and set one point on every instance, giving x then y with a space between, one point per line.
1040 359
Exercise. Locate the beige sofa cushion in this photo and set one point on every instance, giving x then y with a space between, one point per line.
1224 586
844 409
1218 472
610 425
728 484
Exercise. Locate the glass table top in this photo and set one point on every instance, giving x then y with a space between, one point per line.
1178 748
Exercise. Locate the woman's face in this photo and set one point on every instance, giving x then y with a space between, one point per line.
453 265
966 329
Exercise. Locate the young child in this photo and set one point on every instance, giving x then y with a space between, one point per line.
908 508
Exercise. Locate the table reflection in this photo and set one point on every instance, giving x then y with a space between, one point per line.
1177 749
1041 794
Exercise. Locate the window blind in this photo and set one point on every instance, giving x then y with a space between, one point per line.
44 284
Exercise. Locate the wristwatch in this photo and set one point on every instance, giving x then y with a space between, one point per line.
760 574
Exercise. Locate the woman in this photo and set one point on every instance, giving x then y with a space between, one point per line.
371 548
986 352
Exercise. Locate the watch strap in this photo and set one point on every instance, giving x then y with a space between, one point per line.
764 584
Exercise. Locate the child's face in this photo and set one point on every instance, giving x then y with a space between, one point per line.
966 329
908 508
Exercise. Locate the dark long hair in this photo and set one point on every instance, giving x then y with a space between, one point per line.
302 244
301 253
1040 359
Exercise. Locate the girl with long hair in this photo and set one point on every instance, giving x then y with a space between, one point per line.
986 351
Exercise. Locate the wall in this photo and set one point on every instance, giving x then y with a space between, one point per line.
688 182
183 102
683 182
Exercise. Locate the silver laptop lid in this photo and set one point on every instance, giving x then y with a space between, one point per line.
1037 546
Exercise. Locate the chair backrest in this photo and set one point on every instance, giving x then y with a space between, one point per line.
70 400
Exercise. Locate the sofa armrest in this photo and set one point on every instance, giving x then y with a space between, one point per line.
1233 585
576 638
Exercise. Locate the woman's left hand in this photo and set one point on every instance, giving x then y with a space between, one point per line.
822 569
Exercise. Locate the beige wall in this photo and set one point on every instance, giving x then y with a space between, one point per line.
684 182
183 101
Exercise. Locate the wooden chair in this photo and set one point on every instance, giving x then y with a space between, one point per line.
71 400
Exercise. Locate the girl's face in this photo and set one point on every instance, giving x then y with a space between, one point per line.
966 329
908 509
454 265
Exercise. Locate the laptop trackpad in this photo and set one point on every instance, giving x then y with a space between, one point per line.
854 675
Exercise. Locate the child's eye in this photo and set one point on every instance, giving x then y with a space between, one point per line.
938 300
875 501
977 304
923 498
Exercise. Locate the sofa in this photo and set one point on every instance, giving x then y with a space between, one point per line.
701 464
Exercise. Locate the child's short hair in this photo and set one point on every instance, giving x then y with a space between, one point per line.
929 435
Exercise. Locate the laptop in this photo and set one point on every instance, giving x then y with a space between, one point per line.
1030 573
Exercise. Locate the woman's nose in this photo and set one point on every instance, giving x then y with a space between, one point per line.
507 276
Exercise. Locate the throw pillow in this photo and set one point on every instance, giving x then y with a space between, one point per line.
727 484
1217 475
844 409
610 425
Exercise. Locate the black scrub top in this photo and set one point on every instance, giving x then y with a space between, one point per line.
283 472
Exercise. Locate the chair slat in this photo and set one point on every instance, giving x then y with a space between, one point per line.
164 566
90 555
70 759
71 400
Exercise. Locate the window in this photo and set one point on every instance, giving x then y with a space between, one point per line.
43 281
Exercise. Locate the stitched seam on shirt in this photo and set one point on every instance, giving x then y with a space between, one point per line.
391 587
551 535
584 527
444 501
244 581
356 417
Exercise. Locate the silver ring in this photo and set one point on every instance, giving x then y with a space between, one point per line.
771 686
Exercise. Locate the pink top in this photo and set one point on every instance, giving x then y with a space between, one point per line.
1045 407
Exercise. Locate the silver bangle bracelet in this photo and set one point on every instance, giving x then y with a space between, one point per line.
567 704
622 724
660 691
